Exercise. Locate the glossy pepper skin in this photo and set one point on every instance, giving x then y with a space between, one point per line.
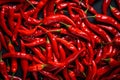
108 20
3 70
105 6
115 12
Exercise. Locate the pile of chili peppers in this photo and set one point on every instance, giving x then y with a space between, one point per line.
55 40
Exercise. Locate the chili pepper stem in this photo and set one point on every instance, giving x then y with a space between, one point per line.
107 60
86 10
65 24
89 17
12 76
84 74
0 56
30 4
111 7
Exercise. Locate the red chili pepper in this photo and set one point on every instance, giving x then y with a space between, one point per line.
48 74
39 54
3 23
49 50
27 32
24 62
58 1
95 28
2 39
77 32
58 18
116 40
39 6
65 4
37 42
112 62
11 18
108 20
15 32
3 68
98 55
105 6
53 41
36 67
90 8
67 44
66 75
62 52
101 71
72 75
14 65
109 28
91 52
115 12
50 8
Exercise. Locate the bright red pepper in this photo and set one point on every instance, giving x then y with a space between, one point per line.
115 12
105 6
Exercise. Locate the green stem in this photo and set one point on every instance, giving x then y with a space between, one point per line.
65 24
89 17
48 41
86 10
0 56
111 7
12 76
107 60
84 74
30 4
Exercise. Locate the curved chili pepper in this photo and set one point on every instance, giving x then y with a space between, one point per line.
98 55
37 42
53 41
27 32
38 53
91 52
58 1
3 68
72 75
115 12
3 23
15 32
108 20
90 8
116 40
49 50
67 44
66 75
11 19
24 63
18 55
105 6
65 4
50 8
112 62
39 6
14 65
2 39
48 74
58 18
109 28
77 32
36 67
101 71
